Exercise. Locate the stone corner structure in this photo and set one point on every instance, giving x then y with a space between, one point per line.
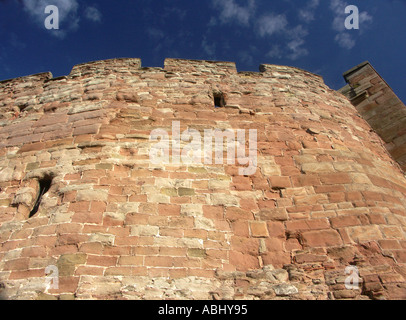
84 214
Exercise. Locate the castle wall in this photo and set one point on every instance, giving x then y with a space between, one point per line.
326 194
379 105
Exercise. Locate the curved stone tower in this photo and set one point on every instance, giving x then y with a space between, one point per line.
86 214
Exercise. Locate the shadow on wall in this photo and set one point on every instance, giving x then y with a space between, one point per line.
2 289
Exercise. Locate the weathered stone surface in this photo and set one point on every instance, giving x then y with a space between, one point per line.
325 194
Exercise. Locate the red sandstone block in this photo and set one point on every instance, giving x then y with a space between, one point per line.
241 183
51 119
280 182
195 233
376 218
91 228
259 229
240 228
204 273
87 217
389 244
25 274
266 204
213 212
274 244
336 197
248 204
391 278
321 238
92 248
243 262
90 129
26 139
305 180
181 222
292 244
98 207
73 238
259 183
277 259
374 196
335 178
47 241
102 261
184 262
234 213
314 224
32 147
276 229
158 261
89 271
79 206
131 261
344 221
177 273
245 245
354 196
169 209
172 252
64 249
16 264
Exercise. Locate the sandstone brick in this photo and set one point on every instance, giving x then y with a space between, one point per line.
345 221
259 229
321 238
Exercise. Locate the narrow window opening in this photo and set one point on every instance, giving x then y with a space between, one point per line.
44 186
219 100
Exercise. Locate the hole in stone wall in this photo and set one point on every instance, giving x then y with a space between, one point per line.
219 100
44 186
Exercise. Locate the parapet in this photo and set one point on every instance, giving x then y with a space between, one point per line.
379 106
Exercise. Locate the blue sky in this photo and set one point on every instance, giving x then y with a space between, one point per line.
308 34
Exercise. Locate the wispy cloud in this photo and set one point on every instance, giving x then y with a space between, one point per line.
293 37
208 48
307 14
93 14
271 24
230 11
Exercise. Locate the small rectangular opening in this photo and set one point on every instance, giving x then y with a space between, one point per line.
218 100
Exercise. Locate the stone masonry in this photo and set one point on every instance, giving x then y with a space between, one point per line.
326 194
378 104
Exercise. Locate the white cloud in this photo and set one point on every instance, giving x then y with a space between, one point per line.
271 24
230 11
209 49
296 50
93 14
345 40
307 13
294 37
155 33
275 52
